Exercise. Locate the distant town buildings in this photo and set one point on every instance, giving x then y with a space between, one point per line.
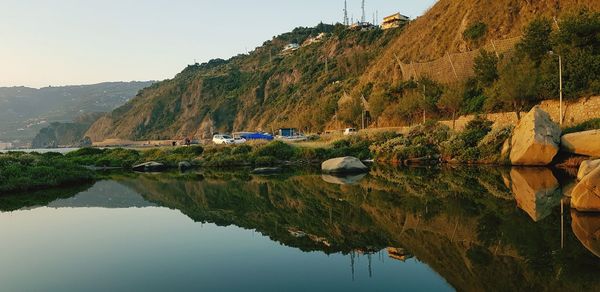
394 21
5 146
290 48
363 26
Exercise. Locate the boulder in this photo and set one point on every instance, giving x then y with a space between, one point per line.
582 143
184 165
535 140
267 170
586 195
536 191
587 167
151 166
344 165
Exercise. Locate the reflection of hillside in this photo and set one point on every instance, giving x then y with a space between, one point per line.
40 198
447 218
103 194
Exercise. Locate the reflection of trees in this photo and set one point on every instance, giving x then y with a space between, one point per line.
39 198
460 221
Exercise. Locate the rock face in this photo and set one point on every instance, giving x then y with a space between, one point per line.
587 167
151 166
343 165
583 143
536 191
535 140
586 195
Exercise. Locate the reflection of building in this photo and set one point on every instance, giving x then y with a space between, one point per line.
394 21
398 254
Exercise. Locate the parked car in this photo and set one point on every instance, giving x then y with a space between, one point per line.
223 139
239 140
350 132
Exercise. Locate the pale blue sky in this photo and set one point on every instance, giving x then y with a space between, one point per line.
62 42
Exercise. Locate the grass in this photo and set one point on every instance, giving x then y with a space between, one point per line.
592 124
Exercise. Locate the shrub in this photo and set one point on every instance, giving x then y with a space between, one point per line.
276 149
592 124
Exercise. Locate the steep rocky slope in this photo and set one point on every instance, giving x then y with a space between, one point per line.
265 90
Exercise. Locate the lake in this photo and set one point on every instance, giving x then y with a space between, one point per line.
418 229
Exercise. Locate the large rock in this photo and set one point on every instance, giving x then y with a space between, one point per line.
535 140
587 167
536 191
151 166
344 165
583 143
586 195
184 165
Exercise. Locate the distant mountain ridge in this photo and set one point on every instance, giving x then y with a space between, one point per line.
24 111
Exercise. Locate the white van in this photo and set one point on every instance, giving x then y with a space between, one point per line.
350 131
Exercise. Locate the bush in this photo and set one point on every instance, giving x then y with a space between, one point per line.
278 150
422 141
464 146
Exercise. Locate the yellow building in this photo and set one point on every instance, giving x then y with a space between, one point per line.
394 21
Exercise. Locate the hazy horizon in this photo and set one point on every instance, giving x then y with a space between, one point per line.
67 42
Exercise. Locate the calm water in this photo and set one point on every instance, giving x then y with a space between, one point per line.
468 229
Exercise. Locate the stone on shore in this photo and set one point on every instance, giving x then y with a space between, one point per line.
151 166
586 195
184 165
344 165
535 140
582 143
587 167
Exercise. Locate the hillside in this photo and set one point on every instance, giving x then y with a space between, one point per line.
264 90
24 111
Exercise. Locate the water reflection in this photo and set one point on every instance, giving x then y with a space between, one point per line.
343 180
478 228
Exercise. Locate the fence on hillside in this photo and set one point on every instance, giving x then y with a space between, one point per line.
454 67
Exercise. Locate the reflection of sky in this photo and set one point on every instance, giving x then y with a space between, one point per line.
95 249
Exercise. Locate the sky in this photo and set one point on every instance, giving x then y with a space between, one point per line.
71 42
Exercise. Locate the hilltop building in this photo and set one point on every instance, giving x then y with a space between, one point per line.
290 48
394 21
314 40
363 26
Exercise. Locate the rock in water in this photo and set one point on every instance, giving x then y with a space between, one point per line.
151 166
586 195
587 167
184 165
582 143
344 165
535 140
267 170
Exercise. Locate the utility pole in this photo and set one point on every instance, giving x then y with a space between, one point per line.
561 88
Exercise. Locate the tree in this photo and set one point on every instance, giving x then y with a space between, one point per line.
452 100
431 92
536 40
517 86
486 68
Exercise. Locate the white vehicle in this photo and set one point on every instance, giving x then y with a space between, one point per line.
350 132
223 139
239 140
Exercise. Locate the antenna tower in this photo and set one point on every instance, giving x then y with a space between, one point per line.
363 18
346 23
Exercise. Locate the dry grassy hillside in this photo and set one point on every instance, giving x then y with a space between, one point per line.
440 30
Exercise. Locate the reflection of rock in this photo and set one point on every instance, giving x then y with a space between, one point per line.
583 143
151 166
535 140
587 229
586 195
344 165
568 187
587 167
536 191
343 180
